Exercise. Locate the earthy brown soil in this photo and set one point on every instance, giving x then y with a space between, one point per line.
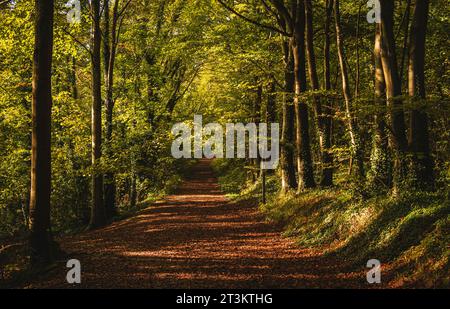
195 239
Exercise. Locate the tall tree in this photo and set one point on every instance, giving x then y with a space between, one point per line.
327 157
98 216
40 235
393 91
322 114
380 169
288 180
111 36
422 163
297 42
355 139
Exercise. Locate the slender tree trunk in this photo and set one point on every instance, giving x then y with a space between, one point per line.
288 180
327 157
257 119
106 38
304 159
380 161
393 91
422 163
98 217
270 115
40 235
73 78
405 38
271 108
110 184
133 191
355 140
358 73
321 117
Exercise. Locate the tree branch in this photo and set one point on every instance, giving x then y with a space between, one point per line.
252 21
77 41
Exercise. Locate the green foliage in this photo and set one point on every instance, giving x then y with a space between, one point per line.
408 231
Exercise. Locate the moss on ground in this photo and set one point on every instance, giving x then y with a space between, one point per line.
409 232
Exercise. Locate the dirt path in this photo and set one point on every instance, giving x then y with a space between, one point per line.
195 239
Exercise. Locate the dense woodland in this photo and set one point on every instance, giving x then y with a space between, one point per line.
86 110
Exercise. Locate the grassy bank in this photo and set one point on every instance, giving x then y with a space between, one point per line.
409 234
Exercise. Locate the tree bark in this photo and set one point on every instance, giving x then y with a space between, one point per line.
405 38
380 162
40 235
110 183
304 159
327 157
355 140
393 91
257 119
287 155
321 118
98 217
271 108
421 161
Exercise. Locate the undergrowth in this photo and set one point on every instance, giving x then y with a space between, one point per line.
408 233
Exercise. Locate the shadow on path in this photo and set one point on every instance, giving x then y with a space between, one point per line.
195 239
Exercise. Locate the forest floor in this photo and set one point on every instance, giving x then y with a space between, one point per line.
195 238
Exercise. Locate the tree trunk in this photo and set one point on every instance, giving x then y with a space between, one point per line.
98 217
40 235
327 157
287 155
106 38
355 140
321 118
110 184
270 115
422 163
257 120
405 38
304 160
73 78
133 191
271 108
393 91
380 162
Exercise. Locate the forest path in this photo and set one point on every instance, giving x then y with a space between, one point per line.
194 239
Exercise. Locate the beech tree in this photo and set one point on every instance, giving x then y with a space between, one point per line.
380 163
419 145
392 80
98 215
288 179
40 234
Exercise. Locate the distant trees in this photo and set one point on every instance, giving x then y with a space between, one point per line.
353 130
40 235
